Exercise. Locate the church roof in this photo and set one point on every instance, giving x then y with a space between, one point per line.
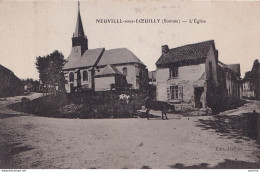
108 70
89 58
186 52
100 57
79 31
118 56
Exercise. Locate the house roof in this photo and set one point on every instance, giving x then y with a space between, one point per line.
89 58
2 68
235 68
7 71
108 70
118 56
186 52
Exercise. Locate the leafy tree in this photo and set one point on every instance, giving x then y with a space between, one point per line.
50 71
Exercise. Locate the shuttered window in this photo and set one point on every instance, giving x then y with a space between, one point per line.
175 93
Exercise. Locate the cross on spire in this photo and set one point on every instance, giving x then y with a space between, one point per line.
78 5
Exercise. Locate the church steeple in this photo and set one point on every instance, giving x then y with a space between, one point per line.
79 38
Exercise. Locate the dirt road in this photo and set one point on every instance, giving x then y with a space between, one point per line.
181 142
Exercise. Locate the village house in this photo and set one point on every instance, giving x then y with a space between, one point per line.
248 87
230 84
99 69
187 76
251 82
10 85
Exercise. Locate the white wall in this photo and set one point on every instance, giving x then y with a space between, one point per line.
103 83
88 82
131 73
162 75
66 75
187 76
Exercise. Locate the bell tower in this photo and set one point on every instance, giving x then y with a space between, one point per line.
79 38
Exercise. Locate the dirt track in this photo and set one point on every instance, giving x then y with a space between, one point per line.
181 142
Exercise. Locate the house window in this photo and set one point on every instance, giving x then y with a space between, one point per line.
173 72
71 77
176 93
125 71
85 75
210 70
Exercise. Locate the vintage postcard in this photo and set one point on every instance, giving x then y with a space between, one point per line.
129 84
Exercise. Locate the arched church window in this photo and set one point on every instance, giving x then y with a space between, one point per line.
85 75
71 76
125 71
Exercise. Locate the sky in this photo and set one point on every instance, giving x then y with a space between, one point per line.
29 29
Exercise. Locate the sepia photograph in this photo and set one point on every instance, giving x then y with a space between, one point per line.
129 84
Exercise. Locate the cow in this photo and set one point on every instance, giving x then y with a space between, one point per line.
124 97
158 105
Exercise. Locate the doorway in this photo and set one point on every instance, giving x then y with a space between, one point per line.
197 95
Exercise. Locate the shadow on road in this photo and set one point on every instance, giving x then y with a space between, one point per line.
245 126
227 164
4 116
7 151
145 167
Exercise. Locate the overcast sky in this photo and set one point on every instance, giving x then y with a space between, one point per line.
30 29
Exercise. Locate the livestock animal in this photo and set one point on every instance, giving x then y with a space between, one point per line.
124 97
158 105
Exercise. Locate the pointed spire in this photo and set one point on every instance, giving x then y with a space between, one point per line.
79 31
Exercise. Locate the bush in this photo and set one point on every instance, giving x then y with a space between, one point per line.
83 105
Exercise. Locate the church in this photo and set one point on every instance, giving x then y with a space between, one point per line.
100 69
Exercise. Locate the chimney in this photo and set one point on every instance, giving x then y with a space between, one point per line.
165 49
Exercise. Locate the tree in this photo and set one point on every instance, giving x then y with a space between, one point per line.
31 85
50 70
